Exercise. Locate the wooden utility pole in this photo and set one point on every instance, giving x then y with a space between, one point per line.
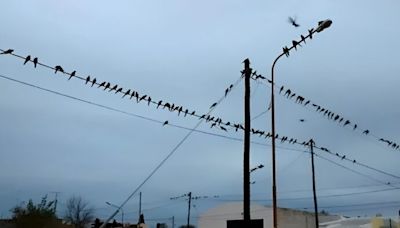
190 200
246 154
311 142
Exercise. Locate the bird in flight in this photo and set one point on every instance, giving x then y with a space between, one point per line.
27 59
35 61
293 21
9 51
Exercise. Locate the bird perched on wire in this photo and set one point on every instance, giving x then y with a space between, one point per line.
35 61
58 68
27 59
165 123
9 51
292 21
72 74
213 105
295 43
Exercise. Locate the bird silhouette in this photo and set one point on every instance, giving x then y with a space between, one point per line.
119 90
93 82
292 95
366 132
148 100
73 75
180 110
58 68
303 39
159 103
293 22
355 126
302 120
310 32
354 161
165 123
193 113
226 91
167 105
126 93
9 51
213 125
343 157
346 123
35 62
27 59
223 128
143 97
336 117
213 105
101 84
280 91
286 51
341 119
107 86
295 44
288 92
87 79
113 88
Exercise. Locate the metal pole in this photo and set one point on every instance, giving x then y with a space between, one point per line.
321 26
246 154
190 200
140 204
313 181
173 221
274 203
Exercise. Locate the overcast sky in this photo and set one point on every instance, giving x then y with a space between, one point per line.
188 53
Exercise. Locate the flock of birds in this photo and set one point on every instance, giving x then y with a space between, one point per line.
215 122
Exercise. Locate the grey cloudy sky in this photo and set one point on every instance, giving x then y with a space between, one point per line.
188 52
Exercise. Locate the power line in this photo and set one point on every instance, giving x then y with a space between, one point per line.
166 158
174 125
214 121
300 100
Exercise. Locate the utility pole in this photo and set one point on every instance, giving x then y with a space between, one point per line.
140 204
311 142
173 221
190 200
246 153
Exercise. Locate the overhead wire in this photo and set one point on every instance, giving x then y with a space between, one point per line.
174 125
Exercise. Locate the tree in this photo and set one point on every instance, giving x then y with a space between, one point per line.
41 215
78 212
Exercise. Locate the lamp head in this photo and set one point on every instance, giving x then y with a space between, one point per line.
323 25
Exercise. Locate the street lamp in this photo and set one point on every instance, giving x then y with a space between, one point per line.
321 26
122 211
